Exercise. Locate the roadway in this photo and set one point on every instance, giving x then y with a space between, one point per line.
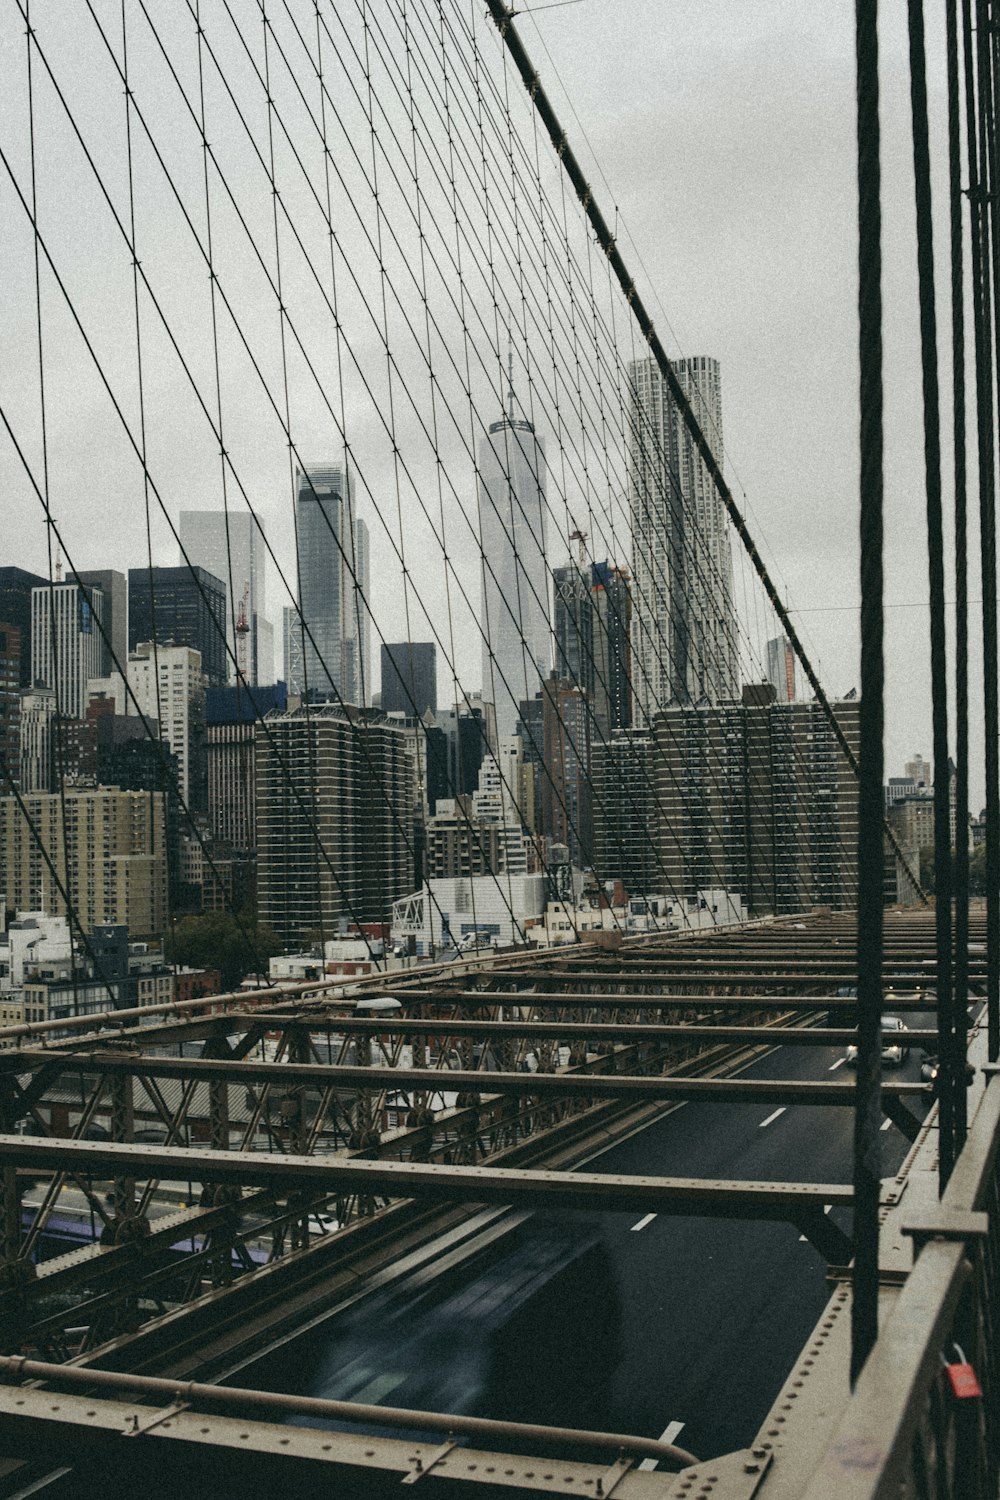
655 1325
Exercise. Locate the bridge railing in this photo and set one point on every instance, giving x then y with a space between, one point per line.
906 1431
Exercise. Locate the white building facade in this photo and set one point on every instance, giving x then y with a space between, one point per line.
446 911
517 636
67 649
175 671
497 801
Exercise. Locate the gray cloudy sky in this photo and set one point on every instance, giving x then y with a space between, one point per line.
726 133
726 136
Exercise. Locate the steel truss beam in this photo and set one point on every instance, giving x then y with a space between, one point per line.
511 1186
543 1085
629 999
599 1031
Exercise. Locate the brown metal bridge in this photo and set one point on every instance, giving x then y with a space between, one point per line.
321 1136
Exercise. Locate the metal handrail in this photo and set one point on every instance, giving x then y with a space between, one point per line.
192 1392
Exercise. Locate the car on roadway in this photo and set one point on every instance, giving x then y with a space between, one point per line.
895 1050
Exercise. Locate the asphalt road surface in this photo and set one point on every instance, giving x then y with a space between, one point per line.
661 1326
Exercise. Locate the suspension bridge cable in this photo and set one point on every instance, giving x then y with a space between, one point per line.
935 551
989 110
868 1110
960 998
500 14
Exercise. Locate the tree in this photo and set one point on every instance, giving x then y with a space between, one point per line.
927 869
977 871
236 945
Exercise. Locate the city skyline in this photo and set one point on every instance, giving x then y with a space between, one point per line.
477 1040
790 282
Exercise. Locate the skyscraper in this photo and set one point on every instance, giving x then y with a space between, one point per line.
114 621
756 797
231 715
10 706
781 668
232 549
333 801
625 810
684 637
16 589
291 650
573 619
409 678
66 645
180 607
169 683
333 568
593 613
517 647
38 709
567 804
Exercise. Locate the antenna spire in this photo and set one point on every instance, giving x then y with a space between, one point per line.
510 377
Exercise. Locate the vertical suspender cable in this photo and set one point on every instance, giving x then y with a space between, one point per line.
867 1121
960 872
935 554
987 532
979 244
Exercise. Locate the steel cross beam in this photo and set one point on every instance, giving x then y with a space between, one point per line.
424 1026
631 1000
562 1085
336 1016
713 973
516 1187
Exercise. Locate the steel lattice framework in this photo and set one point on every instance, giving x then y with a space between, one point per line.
166 1293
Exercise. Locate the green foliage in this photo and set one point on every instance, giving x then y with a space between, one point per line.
977 870
235 945
927 869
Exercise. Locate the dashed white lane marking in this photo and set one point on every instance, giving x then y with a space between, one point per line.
668 1435
886 1124
772 1117
838 1064
643 1222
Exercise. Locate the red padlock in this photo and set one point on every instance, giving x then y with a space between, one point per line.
962 1378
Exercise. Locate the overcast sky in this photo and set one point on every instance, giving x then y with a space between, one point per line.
726 135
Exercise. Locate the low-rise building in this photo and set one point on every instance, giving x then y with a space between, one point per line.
34 939
192 984
443 912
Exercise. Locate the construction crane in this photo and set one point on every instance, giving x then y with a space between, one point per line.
580 537
243 633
